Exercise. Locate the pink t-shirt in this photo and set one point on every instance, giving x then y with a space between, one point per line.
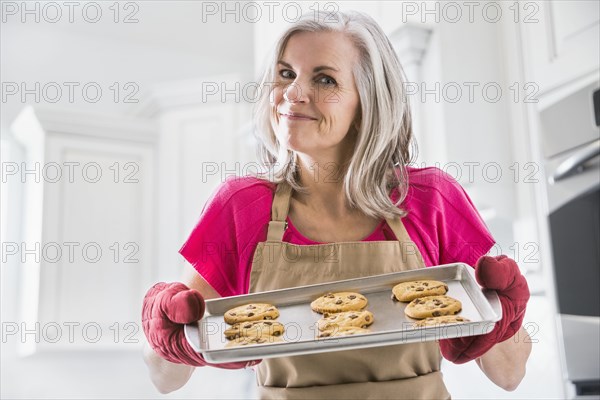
441 221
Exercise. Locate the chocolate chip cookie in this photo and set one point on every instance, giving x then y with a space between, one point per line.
447 319
360 319
408 291
338 302
251 312
254 329
342 331
432 306
246 341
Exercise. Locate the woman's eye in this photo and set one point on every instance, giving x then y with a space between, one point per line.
286 73
326 80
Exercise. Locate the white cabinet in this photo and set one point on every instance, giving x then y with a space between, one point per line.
87 255
562 41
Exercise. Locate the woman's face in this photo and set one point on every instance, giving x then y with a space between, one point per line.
315 100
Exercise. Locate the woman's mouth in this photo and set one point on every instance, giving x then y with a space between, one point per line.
297 117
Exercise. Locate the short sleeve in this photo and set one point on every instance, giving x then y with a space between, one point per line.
447 218
233 220
463 235
211 248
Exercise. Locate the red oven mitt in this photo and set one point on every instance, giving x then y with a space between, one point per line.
503 275
167 307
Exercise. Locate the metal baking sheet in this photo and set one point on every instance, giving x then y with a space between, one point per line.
391 325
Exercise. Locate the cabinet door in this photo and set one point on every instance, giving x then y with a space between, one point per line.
100 215
563 40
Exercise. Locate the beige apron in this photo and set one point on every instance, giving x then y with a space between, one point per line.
410 371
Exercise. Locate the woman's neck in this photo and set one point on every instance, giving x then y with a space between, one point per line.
324 181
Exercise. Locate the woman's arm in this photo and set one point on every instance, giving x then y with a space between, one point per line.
167 376
504 364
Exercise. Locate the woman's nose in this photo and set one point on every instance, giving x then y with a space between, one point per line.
295 93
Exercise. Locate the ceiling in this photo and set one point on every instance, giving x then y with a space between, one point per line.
177 25
165 41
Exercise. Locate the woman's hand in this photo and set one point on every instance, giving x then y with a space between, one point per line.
502 274
167 308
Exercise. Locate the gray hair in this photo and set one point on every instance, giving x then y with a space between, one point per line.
384 138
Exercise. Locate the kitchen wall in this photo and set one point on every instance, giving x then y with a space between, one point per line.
161 122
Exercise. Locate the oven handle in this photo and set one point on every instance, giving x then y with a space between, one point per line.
576 161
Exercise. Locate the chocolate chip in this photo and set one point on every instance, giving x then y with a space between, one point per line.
325 315
329 295
436 313
367 318
444 306
339 301
251 314
425 284
354 316
352 297
232 314
268 323
419 289
248 326
276 333
325 334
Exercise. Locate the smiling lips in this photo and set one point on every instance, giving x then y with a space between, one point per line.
297 117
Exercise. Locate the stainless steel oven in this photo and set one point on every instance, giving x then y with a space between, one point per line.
571 147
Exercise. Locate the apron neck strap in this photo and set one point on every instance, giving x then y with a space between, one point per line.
279 212
399 230
281 206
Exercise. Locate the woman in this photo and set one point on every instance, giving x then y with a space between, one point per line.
335 131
